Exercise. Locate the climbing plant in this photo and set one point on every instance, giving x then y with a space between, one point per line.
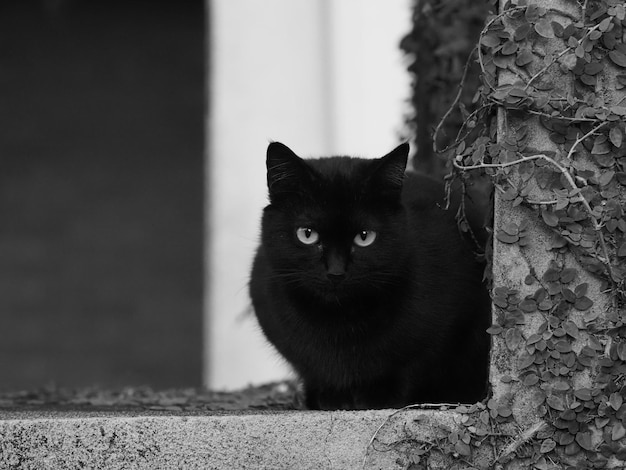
559 74
437 48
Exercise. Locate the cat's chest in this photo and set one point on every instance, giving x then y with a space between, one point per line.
344 335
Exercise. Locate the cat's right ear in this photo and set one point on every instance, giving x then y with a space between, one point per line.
388 176
286 172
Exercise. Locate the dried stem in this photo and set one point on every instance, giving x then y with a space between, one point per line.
583 12
572 150
595 223
484 31
456 100
558 56
563 118
526 436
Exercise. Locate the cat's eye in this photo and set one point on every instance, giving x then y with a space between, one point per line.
308 236
365 238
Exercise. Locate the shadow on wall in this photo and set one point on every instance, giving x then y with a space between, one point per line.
101 141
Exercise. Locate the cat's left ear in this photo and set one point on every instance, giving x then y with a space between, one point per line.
286 172
389 174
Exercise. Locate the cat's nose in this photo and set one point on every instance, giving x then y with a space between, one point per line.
335 265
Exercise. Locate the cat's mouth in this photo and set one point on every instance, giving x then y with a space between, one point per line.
334 288
335 280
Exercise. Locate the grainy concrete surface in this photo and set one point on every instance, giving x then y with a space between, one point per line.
271 440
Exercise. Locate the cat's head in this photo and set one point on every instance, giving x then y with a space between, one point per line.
335 227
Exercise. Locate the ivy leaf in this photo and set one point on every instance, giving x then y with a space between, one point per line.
601 422
581 289
513 338
584 440
563 346
532 339
542 464
521 32
547 446
530 380
583 303
528 305
510 194
565 438
550 218
551 275
595 35
593 68
511 228
544 29
568 295
490 40
504 411
462 448
590 316
532 13
606 177
583 394
494 330
600 146
561 387
506 238
616 400
525 360
579 51
558 29
619 110
605 24
618 58
555 402
571 329
616 137
568 275
509 48
621 351
618 432
557 242
524 58
589 80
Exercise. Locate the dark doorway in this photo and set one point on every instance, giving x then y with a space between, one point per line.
101 188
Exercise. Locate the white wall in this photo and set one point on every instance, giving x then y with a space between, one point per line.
322 76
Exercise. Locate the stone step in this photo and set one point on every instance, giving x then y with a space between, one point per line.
226 440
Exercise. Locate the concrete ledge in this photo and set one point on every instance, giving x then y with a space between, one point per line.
272 440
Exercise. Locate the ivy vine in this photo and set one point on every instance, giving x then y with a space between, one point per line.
582 204
576 188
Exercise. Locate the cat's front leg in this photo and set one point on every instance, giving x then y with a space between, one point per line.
318 397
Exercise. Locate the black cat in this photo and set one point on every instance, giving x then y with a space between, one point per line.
366 286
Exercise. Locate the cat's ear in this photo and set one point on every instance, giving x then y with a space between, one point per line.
286 172
388 175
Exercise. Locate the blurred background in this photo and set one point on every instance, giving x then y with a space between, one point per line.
132 165
101 192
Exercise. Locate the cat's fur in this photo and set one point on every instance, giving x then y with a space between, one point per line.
400 321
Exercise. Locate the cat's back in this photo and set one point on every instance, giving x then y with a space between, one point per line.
420 191
428 200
